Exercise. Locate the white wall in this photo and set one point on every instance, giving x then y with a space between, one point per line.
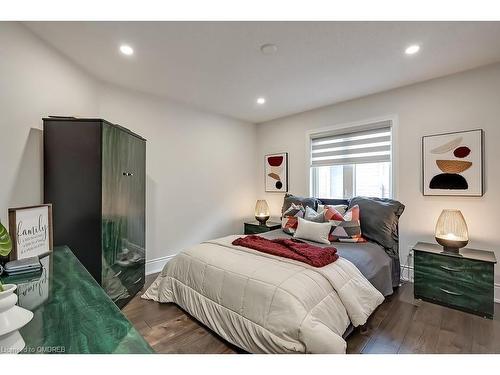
200 169
200 166
463 101
35 81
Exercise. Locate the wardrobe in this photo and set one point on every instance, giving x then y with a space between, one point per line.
95 178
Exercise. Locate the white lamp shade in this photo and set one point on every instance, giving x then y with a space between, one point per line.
261 211
451 225
261 208
451 229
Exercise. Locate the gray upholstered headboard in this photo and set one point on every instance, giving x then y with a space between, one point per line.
333 201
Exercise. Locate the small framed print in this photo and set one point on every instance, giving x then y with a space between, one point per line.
31 231
452 164
276 170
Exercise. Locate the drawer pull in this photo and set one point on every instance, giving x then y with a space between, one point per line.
450 292
451 269
138 280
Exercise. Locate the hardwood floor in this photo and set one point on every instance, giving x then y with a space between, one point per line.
400 325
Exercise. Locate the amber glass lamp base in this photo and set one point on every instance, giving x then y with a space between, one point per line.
262 219
451 246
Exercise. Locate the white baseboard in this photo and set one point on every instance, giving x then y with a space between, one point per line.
408 270
156 265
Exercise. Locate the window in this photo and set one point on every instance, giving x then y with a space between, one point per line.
356 163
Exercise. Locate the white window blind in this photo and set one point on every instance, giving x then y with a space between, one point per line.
356 147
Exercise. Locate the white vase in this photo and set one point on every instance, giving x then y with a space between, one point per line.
12 318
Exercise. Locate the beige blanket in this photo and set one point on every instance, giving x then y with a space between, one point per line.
267 304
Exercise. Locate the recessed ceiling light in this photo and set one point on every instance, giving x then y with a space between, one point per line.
269 49
126 50
261 100
413 49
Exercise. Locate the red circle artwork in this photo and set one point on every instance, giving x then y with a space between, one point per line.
275 161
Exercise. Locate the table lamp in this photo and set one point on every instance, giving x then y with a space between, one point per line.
261 211
451 231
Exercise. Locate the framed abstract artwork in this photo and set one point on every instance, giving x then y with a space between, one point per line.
452 164
276 170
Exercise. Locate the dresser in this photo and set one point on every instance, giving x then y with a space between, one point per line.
71 313
464 281
95 178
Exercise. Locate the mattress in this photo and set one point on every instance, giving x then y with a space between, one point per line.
369 257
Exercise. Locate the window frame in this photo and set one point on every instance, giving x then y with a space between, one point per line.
361 125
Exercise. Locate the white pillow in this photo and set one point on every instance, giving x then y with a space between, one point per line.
317 232
341 208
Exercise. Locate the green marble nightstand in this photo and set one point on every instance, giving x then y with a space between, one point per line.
72 313
463 281
254 227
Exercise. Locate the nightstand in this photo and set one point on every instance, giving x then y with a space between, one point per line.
254 227
463 281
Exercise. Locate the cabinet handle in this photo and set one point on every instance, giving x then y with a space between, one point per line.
128 174
451 269
138 280
450 292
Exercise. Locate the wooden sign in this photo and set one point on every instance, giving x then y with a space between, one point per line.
31 231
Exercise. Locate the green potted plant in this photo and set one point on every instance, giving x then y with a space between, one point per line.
5 246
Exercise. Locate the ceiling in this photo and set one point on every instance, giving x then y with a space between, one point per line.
218 66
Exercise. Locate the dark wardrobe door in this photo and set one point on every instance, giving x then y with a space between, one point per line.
135 185
123 213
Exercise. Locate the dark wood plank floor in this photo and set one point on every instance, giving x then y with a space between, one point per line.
400 325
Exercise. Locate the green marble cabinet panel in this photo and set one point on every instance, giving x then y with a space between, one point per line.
72 313
461 283
123 213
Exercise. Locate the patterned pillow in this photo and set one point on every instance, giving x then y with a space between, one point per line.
301 201
312 215
345 228
342 208
290 217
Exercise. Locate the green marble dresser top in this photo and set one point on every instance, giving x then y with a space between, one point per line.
466 253
72 313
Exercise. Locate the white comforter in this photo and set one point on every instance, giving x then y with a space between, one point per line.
267 304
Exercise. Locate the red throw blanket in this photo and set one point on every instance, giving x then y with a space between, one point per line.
290 248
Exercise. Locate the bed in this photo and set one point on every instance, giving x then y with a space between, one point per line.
268 304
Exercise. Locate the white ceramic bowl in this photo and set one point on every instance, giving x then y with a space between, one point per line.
7 297
12 317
